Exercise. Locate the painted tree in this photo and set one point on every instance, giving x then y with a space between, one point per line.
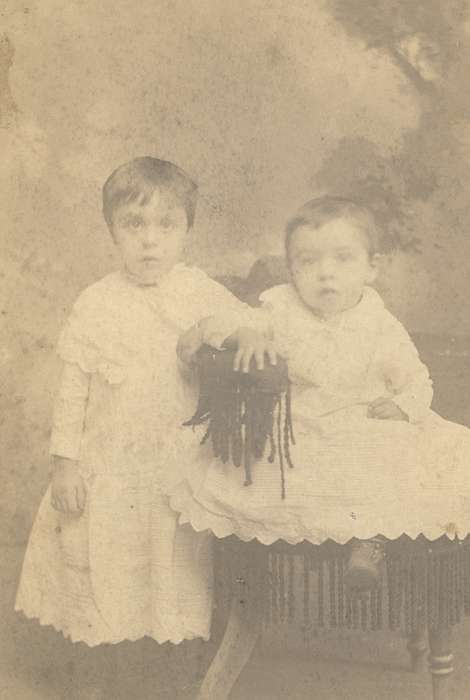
429 42
419 189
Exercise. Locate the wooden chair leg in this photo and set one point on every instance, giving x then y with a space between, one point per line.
241 634
440 661
417 647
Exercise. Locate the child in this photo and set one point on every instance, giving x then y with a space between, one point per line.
371 458
106 561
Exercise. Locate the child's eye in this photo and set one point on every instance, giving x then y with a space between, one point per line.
343 257
308 261
133 222
166 223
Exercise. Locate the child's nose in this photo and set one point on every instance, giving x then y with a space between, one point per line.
326 269
150 237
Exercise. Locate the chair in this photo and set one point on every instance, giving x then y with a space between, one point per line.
426 591
426 588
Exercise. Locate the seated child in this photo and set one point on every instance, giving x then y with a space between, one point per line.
371 460
106 560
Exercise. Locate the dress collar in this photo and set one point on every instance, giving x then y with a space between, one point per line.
359 316
158 283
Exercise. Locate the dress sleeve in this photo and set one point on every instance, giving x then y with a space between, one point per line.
69 412
405 375
223 313
88 338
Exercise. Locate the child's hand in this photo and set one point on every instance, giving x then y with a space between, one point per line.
386 409
68 492
189 343
251 343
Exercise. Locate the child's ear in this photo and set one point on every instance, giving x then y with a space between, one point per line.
375 264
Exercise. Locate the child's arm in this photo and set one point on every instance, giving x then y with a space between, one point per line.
248 342
68 493
222 312
406 377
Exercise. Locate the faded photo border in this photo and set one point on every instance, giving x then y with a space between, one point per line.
266 104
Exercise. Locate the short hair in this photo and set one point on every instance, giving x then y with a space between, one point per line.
138 179
317 212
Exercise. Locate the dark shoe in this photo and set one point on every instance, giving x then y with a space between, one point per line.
364 566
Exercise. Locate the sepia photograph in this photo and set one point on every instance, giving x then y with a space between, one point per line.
235 349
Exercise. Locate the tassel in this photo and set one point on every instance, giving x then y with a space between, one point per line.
467 579
396 593
269 588
413 597
291 598
445 593
424 574
341 592
392 590
406 576
280 452
355 612
460 582
380 608
373 610
451 584
436 584
349 613
237 437
289 414
288 431
363 602
240 410
247 444
332 582
306 563
282 587
276 592
433 583
321 621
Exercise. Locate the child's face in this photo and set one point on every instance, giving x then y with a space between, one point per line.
330 265
150 237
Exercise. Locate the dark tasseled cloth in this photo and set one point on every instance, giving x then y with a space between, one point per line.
424 584
244 412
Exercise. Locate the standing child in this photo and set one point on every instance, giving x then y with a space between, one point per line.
371 458
106 560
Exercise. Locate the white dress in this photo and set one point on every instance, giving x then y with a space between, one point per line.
353 476
124 569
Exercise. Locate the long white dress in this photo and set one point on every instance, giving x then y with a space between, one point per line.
353 476
124 569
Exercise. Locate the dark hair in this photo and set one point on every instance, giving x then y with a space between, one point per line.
139 178
318 211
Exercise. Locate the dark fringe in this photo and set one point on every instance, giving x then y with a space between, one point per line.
424 584
243 420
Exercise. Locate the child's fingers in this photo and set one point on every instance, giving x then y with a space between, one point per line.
237 360
259 357
272 354
246 359
242 359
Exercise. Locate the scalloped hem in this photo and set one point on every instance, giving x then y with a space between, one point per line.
202 519
77 638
